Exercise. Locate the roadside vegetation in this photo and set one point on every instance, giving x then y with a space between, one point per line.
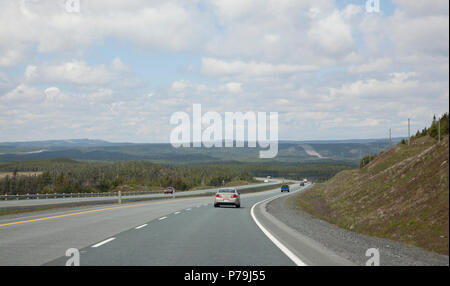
71 176
401 194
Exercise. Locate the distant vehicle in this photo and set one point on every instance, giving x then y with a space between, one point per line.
227 197
302 184
266 181
305 180
169 190
285 188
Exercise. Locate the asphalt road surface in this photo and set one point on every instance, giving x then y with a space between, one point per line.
190 232
184 231
57 201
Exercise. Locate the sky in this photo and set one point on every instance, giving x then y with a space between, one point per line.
117 70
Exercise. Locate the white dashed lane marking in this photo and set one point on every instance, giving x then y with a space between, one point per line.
103 242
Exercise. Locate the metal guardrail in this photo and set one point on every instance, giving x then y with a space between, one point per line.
73 195
85 195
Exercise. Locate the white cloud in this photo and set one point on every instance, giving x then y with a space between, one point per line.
47 24
329 71
102 94
180 85
396 86
23 94
75 71
332 35
119 66
10 56
216 67
377 65
423 7
234 87
351 11
421 34
53 93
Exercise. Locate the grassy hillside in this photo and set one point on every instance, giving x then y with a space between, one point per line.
402 194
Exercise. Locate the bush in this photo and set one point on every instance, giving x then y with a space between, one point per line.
366 160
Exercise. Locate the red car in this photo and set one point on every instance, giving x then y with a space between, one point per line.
169 190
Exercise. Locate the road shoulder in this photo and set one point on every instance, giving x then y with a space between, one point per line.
300 248
345 244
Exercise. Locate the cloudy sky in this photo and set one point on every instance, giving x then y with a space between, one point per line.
117 70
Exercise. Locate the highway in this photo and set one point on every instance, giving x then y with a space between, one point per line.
189 231
6 205
183 231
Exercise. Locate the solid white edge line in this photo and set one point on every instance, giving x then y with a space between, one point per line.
103 242
141 226
161 218
275 241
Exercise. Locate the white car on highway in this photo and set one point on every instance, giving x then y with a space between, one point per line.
227 197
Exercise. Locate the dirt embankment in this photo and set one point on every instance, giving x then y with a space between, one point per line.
402 195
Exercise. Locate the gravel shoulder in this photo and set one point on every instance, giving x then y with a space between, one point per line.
349 245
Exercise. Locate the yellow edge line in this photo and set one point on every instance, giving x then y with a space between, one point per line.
58 216
83 212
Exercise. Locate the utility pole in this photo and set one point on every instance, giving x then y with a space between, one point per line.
409 132
390 138
439 131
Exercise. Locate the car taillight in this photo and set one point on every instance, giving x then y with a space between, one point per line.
218 196
234 196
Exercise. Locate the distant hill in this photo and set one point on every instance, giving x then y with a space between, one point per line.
58 144
360 141
402 194
98 150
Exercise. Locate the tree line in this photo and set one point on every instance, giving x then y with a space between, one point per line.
70 176
77 177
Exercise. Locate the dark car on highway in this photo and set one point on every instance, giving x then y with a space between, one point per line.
285 188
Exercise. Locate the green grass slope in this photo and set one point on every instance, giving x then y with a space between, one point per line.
401 195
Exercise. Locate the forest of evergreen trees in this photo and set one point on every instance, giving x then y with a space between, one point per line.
70 176
433 130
